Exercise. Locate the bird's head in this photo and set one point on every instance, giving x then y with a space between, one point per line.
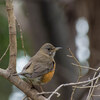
49 49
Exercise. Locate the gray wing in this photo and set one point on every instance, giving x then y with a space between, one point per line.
42 68
27 65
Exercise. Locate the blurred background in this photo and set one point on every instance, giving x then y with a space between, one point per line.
73 24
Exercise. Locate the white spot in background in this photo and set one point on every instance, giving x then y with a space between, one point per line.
16 94
82 42
83 54
82 26
21 62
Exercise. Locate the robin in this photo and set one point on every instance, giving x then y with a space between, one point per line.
41 67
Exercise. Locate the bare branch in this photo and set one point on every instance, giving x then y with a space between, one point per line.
22 85
21 36
87 86
80 71
92 84
58 94
12 36
96 95
72 55
72 84
3 73
84 67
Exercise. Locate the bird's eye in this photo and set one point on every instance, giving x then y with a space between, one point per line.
49 49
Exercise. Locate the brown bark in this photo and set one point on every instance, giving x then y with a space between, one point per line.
12 36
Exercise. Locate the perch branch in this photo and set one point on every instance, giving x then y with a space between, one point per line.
12 36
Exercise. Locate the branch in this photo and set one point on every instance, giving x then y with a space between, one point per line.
80 71
96 95
72 84
87 86
22 85
58 94
12 36
21 36
3 73
93 84
85 67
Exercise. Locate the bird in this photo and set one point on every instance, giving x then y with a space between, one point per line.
41 67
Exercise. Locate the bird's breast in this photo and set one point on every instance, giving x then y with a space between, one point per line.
47 77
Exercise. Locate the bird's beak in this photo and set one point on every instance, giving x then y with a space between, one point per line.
58 48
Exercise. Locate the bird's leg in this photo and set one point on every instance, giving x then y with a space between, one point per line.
26 97
32 86
41 88
29 98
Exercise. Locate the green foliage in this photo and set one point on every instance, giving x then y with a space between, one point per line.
5 86
4 40
2 2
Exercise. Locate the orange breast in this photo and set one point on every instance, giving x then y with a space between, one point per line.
47 77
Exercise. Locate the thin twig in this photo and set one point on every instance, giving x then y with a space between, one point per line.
80 71
75 87
69 56
72 84
21 36
87 86
92 88
5 53
88 97
72 55
12 36
58 94
84 67
96 95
